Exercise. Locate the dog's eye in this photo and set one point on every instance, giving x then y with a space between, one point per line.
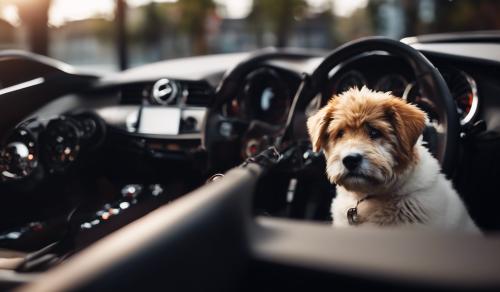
374 133
340 133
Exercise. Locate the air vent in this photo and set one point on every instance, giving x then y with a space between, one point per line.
165 92
200 93
135 92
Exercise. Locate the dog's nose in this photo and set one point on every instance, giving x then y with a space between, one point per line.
352 161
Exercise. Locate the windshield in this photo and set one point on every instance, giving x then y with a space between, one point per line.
109 35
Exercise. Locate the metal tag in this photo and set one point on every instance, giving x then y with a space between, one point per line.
352 216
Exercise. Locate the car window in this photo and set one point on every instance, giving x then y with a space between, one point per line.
88 33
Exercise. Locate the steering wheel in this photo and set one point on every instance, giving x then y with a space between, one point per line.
222 136
444 135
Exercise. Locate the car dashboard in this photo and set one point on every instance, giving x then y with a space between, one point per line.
102 151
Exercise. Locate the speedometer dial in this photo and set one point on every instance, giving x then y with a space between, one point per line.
392 82
349 80
60 143
266 96
463 89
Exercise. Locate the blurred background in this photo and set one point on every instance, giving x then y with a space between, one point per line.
110 35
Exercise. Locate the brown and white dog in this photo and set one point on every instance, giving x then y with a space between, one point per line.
383 175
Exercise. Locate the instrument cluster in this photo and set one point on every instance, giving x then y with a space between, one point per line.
38 147
259 108
462 87
265 95
397 83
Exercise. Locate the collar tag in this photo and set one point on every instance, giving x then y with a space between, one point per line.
352 213
352 216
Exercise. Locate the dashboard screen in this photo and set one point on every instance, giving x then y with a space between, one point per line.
159 120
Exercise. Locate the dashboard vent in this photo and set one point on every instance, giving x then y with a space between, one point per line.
200 93
134 93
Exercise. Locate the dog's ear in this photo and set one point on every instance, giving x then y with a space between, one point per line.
408 122
317 125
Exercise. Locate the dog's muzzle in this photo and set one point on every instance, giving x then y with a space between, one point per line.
352 161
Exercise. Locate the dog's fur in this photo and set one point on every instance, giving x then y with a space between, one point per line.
403 180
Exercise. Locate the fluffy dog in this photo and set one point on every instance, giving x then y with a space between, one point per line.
383 175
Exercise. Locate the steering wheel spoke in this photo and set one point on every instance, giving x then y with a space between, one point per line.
237 134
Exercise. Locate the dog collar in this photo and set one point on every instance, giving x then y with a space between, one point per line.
352 213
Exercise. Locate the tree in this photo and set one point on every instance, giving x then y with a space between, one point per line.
153 25
6 32
276 15
194 18
35 16
466 15
410 9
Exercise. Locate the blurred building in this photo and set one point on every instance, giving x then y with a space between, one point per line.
236 35
7 34
85 43
11 37
158 31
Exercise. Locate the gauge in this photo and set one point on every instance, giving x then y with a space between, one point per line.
60 142
395 83
349 80
19 157
463 89
266 96
91 127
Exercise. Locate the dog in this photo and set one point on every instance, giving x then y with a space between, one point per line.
383 174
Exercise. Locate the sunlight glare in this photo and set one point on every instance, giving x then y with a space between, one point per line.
11 15
62 11
346 8
144 2
236 9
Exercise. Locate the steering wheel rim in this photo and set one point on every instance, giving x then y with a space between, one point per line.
430 82
227 89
